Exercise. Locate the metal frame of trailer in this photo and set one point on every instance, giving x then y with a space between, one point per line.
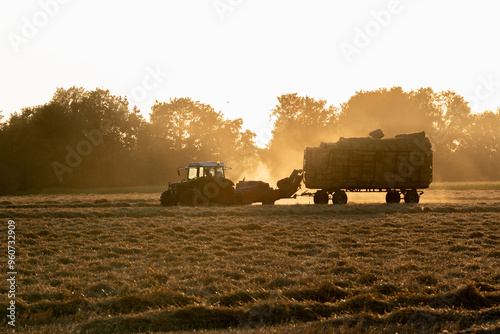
409 196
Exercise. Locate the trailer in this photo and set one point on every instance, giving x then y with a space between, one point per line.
400 166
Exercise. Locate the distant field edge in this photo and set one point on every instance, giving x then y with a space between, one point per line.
475 185
117 190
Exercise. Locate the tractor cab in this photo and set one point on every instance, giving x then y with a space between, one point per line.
196 170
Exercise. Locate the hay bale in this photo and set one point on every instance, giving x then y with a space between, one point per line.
377 134
404 161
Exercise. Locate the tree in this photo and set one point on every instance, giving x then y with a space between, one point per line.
94 107
78 139
477 155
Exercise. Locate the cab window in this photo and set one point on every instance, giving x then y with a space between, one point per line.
192 173
219 172
214 171
209 171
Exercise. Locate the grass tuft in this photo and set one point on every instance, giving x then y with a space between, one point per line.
326 292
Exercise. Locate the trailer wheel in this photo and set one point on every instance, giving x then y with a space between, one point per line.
321 197
339 197
393 196
412 196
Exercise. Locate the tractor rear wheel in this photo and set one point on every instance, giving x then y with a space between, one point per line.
238 197
339 197
227 196
187 197
321 197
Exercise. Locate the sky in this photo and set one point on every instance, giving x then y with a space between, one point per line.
240 55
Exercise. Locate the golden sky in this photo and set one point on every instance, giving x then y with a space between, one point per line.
239 55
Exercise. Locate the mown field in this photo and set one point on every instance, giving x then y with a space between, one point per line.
120 263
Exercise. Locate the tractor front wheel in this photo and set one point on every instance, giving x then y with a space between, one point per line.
166 199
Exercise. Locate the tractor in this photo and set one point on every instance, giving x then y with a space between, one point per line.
204 183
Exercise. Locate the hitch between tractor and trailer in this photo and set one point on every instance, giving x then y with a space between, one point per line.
248 192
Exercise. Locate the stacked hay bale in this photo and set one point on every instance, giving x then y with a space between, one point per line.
402 162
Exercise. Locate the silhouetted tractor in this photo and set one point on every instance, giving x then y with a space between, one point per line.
204 183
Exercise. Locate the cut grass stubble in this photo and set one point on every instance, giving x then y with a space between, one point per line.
245 267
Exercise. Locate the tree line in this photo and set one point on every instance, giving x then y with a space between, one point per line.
91 138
